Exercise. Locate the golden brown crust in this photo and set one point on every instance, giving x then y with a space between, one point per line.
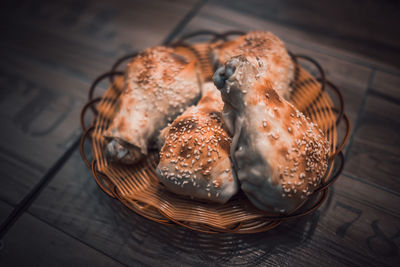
302 168
145 69
159 84
194 160
196 141
281 155
263 49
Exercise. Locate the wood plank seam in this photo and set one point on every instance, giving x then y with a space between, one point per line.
367 204
12 154
186 19
391 99
360 113
6 201
48 64
78 240
348 59
35 192
360 179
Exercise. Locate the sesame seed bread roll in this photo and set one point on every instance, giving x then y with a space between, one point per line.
264 49
159 84
279 155
194 160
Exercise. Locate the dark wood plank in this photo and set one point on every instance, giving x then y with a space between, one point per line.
361 27
40 118
34 243
216 17
359 225
5 210
386 83
84 38
51 52
79 207
375 153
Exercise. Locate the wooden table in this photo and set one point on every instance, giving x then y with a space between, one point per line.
53 213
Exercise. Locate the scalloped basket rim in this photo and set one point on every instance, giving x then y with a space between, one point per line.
138 188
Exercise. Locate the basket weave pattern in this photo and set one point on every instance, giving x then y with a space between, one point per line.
137 186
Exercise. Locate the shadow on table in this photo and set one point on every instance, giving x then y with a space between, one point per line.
175 244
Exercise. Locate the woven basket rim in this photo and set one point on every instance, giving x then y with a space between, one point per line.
336 159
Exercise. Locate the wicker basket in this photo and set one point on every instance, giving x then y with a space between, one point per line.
137 186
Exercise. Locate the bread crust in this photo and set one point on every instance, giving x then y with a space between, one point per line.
194 160
280 155
264 49
159 84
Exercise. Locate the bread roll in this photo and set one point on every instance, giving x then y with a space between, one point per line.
265 50
159 84
194 160
279 155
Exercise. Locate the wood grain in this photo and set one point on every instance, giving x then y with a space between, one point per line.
5 210
358 26
228 19
54 51
86 37
51 52
33 242
358 225
375 153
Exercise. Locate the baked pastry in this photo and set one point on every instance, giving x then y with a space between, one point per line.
263 49
159 84
194 160
279 155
